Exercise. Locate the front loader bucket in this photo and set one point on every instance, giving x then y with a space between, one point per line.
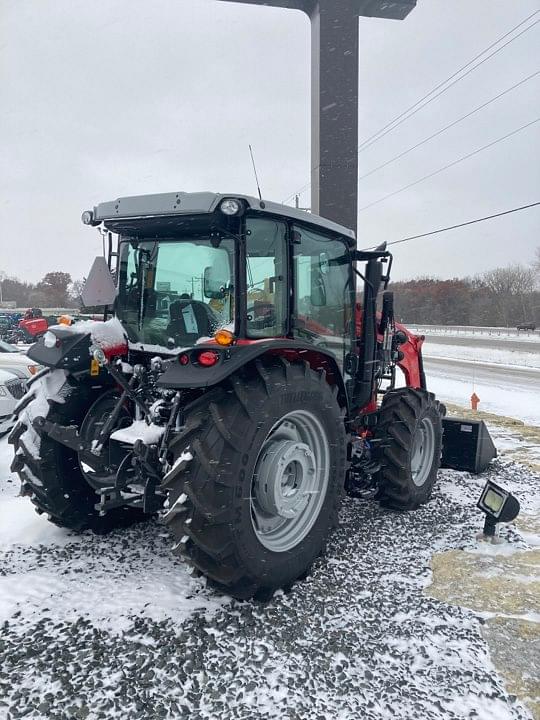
467 445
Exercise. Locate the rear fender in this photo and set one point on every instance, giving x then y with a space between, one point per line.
72 352
233 358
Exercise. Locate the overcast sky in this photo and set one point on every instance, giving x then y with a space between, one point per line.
114 97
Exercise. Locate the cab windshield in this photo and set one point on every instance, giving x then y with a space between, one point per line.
175 292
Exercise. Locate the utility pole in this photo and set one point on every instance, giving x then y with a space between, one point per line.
334 96
3 276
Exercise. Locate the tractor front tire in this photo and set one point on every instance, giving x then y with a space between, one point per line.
408 441
257 478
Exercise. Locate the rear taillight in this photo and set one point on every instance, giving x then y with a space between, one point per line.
208 358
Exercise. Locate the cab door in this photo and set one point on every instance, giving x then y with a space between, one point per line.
323 291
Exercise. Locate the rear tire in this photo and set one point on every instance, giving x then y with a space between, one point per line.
218 507
51 476
409 441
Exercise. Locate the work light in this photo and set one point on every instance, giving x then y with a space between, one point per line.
87 217
50 340
230 206
499 506
99 356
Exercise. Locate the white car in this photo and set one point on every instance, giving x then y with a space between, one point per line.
12 388
13 361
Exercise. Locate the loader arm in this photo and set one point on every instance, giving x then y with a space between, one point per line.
411 364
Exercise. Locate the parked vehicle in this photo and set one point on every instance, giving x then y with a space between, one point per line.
12 390
13 361
6 347
30 328
8 324
26 328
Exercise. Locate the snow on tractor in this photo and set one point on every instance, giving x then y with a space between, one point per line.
237 391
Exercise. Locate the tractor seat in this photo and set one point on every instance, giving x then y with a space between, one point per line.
190 320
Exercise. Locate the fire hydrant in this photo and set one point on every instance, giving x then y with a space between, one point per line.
474 401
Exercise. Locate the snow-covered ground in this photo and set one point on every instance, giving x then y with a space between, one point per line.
503 392
506 379
112 626
505 356
158 589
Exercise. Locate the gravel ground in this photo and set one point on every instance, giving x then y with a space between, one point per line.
90 630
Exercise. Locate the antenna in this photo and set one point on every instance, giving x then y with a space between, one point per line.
255 171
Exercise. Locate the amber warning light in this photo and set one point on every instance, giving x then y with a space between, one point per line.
224 337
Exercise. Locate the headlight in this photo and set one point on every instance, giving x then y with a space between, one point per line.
99 356
230 206
87 217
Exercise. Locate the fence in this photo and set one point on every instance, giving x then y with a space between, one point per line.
468 330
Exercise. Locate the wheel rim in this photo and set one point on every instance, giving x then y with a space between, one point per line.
422 451
101 470
290 481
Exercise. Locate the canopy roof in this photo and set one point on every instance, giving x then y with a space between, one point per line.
182 203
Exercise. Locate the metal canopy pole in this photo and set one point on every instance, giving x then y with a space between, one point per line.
334 96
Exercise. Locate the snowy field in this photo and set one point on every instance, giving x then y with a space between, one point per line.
103 627
506 357
506 379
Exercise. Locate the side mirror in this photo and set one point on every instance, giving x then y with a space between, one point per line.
99 288
215 283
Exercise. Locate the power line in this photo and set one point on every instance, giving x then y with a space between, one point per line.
463 224
296 192
445 167
401 119
387 128
447 127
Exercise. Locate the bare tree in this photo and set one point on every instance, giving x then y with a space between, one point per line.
76 290
536 263
509 288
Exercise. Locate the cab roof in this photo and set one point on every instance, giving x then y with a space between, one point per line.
183 203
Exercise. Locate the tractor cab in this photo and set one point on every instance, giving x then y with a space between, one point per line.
188 265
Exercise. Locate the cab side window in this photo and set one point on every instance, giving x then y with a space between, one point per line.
322 288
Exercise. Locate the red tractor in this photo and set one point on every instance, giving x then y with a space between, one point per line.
31 327
237 391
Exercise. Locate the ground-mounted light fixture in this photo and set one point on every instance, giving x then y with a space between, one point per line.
499 506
